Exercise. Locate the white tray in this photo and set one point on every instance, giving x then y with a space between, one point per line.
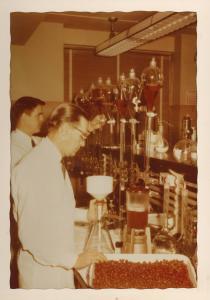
146 258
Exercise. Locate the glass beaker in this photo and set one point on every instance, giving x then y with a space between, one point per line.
137 203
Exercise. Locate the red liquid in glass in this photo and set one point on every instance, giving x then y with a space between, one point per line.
137 219
98 93
150 93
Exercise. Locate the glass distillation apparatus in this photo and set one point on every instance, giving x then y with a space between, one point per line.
99 238
129 91
152 81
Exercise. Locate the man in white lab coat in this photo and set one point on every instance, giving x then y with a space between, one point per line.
44 204
26 121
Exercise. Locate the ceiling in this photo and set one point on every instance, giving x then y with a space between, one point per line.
24 24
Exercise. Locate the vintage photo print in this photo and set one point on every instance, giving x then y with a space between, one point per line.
104 150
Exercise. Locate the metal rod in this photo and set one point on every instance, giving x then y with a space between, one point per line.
122 140
148 141
161 91
133 123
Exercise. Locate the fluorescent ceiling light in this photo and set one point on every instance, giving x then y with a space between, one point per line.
152 28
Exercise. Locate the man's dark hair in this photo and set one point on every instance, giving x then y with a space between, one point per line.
23 105
65 112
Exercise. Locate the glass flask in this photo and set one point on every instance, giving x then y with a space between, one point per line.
99 237
133 86
161 145
182 150
152 80
109 90
130 90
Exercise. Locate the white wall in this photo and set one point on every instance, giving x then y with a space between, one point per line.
37 67
84 37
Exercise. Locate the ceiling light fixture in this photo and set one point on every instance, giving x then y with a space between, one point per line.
152 28
112 21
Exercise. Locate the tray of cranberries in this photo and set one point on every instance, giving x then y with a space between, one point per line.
142 271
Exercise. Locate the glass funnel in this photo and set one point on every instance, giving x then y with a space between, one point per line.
99 237
152 80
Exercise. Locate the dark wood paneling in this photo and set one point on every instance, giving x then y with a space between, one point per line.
66 75
87 67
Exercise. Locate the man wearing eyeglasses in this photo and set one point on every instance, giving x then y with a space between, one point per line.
44 204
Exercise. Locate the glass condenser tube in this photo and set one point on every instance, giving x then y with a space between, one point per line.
122 140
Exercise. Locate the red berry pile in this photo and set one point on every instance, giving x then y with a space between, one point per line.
141 275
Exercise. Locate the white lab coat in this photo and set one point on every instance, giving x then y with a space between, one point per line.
44 208
20 144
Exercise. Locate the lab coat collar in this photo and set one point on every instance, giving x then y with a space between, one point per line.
23 138
53 149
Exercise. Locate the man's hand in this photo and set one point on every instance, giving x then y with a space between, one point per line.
89 257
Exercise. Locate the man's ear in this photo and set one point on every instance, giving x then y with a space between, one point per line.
24 118
63 131
25 115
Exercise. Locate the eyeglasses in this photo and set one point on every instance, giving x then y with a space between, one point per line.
83 134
